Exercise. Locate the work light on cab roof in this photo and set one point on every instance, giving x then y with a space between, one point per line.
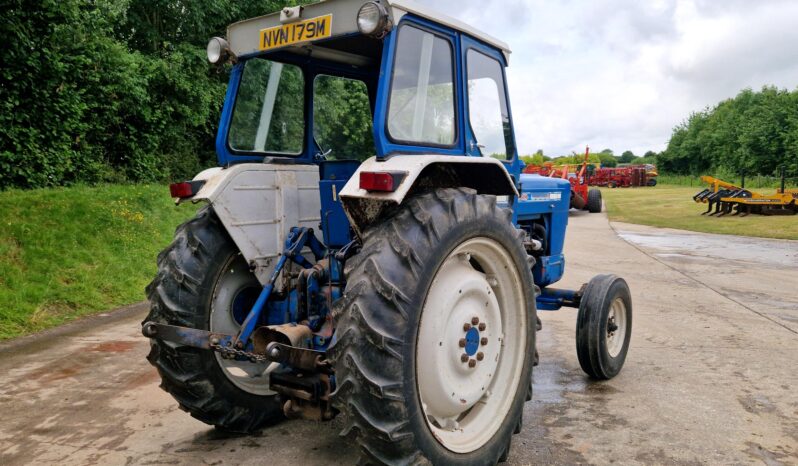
217 50
372 19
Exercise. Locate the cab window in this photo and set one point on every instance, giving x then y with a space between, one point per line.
421 107
342 118
487 106
269 115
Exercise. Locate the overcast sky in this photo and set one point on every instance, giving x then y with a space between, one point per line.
621 74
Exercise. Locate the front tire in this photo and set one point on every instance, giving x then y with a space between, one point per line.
604 326
436 332
202 279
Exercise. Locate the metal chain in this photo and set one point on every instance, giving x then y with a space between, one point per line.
237 352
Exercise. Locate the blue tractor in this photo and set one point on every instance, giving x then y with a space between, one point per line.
396 285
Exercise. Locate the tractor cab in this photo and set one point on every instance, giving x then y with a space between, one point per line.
348 80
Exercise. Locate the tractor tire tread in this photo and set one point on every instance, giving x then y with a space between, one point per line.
594 201
591 324
175 295
373 314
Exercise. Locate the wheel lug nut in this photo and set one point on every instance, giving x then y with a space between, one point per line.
466 327
464 357
472 363
483 341
480 356
462 343
474 320
481 326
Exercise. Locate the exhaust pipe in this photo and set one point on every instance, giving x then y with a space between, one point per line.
296 335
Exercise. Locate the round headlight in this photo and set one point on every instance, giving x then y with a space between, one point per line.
372 19
217 49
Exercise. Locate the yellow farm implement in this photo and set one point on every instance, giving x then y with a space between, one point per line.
725 197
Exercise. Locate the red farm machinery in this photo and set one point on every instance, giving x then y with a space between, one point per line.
624 177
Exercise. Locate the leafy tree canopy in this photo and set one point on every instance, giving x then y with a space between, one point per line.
626 157
755 133
111 90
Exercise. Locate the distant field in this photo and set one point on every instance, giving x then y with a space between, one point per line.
69 252
673 207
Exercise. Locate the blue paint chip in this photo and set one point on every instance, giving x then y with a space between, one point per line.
472 341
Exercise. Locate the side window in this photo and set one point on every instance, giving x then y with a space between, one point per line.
487 106
269 111
421 107
342 118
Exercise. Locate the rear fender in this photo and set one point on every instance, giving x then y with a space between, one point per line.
421 172
258 203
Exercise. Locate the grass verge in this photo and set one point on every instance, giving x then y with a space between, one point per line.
69 252
673 207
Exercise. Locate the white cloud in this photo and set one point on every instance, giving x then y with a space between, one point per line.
620 74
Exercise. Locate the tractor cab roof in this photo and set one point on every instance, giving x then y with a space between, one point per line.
250 37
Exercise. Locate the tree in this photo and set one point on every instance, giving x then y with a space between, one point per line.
607 159
626 157
753 133
111 90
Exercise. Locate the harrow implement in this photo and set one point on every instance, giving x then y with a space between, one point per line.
724 198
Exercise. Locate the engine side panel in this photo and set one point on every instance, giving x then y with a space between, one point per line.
546 201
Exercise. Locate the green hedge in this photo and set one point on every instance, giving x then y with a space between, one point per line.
110 90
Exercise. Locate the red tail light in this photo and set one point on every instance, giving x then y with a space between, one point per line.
185 189
381 181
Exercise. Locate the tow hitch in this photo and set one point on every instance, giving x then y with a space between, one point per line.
306 388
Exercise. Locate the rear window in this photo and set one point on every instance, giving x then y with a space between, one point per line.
269 111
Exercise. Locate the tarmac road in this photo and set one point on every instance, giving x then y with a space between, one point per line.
711 375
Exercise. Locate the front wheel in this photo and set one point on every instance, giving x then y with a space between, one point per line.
436 333
604 326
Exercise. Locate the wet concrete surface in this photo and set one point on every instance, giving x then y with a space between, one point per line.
759 274
710 377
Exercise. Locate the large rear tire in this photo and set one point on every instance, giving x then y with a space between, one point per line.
435 333
202 281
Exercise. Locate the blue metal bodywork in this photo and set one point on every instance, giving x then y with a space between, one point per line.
335 225
541 209
545 201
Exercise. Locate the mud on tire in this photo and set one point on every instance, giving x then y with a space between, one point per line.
181 294
378 318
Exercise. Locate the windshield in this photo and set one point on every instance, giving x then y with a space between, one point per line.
268 115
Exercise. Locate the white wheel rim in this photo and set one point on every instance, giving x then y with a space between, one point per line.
616 327
465 406
248 376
